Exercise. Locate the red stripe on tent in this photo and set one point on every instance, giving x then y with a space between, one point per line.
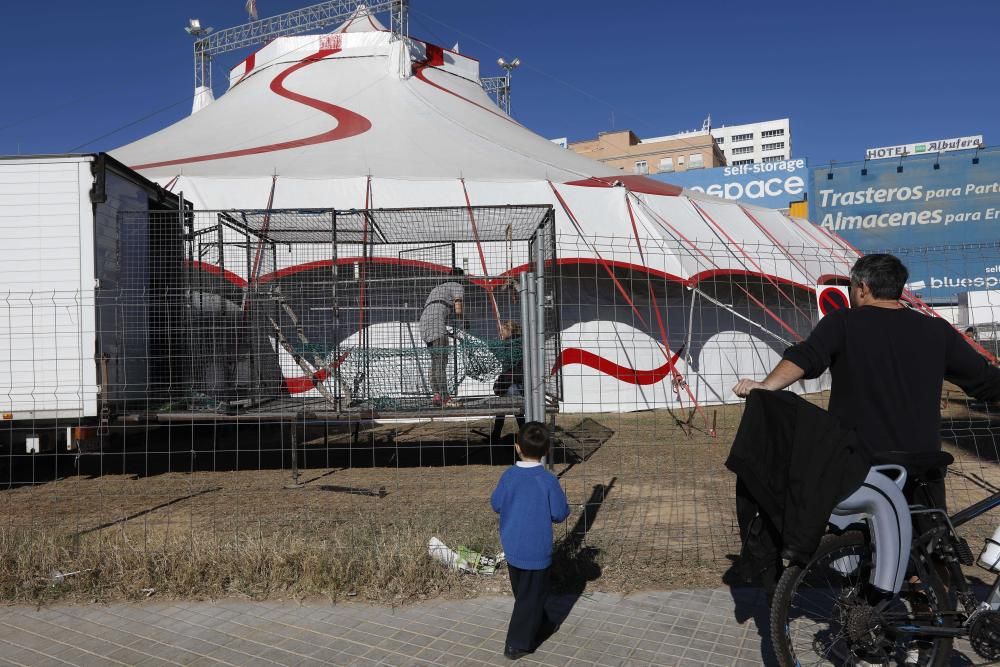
482 255
611 274
248 66
434 59
633 183
767 310
349 123
770 277
216 271
574 355
729 238
440 268
299 385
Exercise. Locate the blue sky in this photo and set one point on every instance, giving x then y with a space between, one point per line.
850 74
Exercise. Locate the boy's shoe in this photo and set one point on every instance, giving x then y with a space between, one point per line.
512 653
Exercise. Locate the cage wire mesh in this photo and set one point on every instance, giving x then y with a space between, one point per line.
237 345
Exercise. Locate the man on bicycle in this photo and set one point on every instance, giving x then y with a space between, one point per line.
887 363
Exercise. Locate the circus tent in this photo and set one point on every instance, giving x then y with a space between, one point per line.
667 295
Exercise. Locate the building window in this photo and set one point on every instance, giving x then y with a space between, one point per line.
772 158
720 140
739 162
743 150
776 146
696 161
743 137
772 133
666 164
641 167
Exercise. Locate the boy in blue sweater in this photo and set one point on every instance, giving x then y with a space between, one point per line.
529 500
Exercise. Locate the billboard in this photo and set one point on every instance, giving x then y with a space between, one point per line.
768 184
915 204
936 146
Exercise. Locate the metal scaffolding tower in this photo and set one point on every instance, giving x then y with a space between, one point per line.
498 87
290 23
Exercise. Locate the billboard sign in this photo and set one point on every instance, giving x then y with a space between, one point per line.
936 146
768 184
935 202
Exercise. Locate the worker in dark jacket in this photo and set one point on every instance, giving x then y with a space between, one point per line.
510 381
887 364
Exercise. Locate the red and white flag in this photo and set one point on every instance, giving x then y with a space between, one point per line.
252 9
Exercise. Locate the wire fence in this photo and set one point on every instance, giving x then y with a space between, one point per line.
254 393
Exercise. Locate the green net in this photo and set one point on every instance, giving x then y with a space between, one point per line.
386 377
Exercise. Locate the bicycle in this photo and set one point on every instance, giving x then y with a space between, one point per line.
878 592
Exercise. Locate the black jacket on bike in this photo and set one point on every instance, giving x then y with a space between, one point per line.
794 462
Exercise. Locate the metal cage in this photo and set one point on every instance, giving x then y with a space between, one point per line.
330 312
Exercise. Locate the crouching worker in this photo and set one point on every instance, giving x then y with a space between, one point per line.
529 500
510 381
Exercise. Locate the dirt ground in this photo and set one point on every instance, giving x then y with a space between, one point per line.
659 502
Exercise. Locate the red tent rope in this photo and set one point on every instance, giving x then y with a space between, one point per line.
610 272
767 310
255 271
778 243
482 255
704 214
678 378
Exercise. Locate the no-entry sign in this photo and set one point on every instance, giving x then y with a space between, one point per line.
831 298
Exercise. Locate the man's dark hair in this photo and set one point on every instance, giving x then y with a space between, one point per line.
533 439
456 271
885 275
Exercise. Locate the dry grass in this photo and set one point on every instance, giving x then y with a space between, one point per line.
660 516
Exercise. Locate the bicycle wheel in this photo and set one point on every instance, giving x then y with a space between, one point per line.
820 614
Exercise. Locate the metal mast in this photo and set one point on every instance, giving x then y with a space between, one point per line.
290 23
498 87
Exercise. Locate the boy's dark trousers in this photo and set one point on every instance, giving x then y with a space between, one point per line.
531 588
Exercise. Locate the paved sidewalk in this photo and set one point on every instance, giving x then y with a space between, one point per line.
702 627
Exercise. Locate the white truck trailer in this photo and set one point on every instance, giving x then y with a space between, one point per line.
68 360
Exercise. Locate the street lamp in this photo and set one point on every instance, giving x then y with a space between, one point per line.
202 65
195 30
503 95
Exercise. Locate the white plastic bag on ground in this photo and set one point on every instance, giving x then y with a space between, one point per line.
463 559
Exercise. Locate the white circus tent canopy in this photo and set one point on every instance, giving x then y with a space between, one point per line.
360 118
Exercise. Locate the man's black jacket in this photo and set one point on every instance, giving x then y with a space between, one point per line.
797 462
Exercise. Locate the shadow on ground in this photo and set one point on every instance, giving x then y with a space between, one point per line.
225 447
574 562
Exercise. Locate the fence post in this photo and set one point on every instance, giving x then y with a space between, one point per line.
541 367
527 345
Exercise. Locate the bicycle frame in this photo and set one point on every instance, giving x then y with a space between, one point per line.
879 503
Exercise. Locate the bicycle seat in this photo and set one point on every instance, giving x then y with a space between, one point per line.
916 464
